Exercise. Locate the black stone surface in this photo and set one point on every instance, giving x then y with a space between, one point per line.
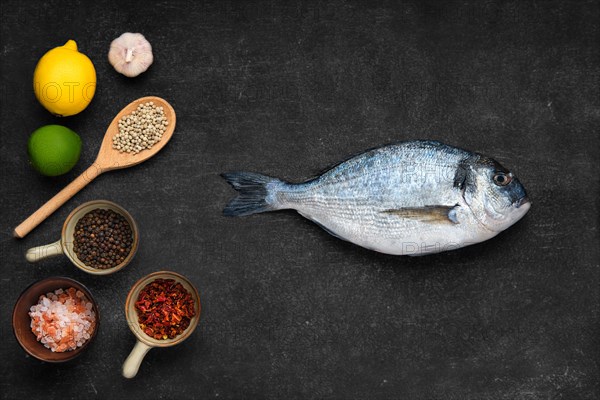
288 88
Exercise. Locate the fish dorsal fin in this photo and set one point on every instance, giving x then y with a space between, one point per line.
419 143
430 214
334 165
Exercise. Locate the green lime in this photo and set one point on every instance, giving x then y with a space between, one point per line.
53 149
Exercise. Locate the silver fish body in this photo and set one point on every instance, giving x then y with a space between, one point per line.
412 198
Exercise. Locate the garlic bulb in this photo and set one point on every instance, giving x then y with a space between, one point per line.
130 54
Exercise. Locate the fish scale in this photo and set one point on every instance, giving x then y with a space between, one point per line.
413 198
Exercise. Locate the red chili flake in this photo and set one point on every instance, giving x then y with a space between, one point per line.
164 309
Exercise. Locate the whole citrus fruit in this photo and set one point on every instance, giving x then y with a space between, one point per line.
64 80
53 149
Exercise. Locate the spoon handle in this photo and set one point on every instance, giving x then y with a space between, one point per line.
58 200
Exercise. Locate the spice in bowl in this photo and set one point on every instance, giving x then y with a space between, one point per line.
102 239
141 129
63 320
165 309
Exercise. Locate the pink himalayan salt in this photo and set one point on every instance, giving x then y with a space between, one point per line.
63 320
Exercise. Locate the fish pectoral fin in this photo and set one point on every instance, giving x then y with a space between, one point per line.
431 214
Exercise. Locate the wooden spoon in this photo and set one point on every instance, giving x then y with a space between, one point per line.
107 160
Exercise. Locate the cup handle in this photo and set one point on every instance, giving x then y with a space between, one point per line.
41 252
134 360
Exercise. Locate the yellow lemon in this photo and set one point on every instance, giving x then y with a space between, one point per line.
64 80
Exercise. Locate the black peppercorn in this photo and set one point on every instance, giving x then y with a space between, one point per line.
97 234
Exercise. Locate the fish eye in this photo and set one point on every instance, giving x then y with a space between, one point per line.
502 179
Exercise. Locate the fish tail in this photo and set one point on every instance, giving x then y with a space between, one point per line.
255 193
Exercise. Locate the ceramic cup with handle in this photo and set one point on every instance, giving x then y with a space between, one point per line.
144 342
65 244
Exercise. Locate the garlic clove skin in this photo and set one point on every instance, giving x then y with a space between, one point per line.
130 54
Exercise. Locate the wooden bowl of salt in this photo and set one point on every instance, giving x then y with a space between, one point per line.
75 332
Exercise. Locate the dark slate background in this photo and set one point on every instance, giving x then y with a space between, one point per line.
288 88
